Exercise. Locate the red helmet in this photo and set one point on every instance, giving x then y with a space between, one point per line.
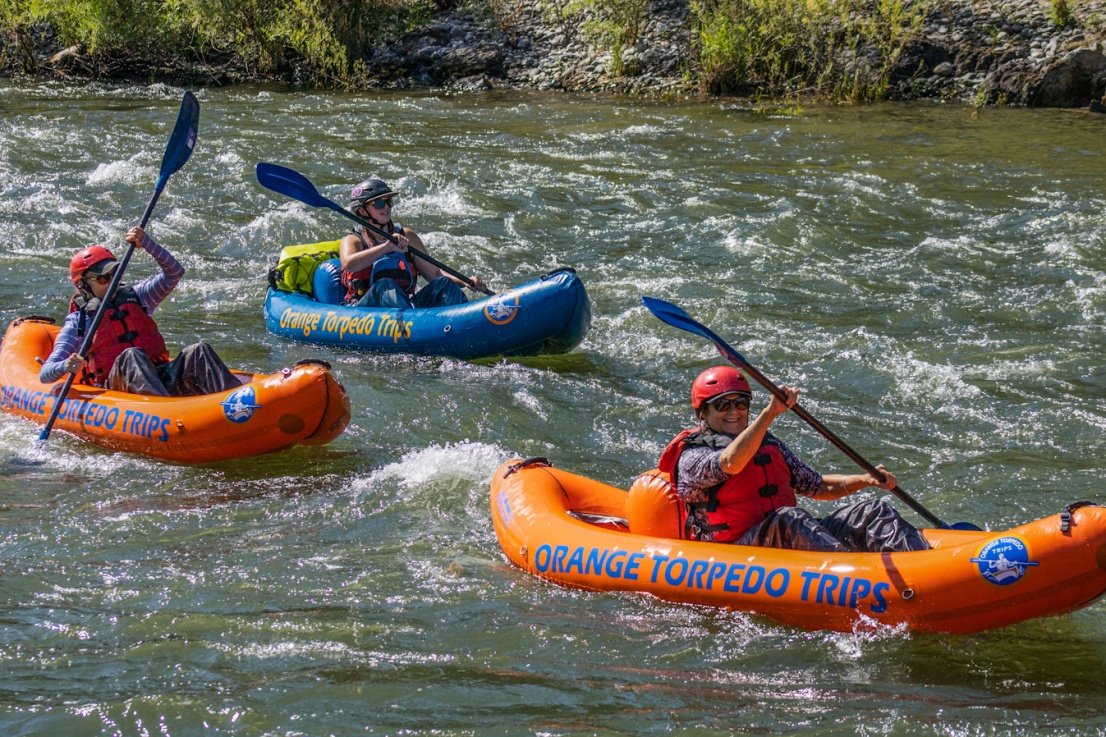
716 381
85 258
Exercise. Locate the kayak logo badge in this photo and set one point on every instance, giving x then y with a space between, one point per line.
502 308
1004 560
239 404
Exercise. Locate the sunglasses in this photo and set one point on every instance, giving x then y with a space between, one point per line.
724 404
382 203
98 278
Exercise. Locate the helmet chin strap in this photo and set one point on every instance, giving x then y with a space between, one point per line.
367 213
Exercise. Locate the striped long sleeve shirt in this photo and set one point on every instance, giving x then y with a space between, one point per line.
151 292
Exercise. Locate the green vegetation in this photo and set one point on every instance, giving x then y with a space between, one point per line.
830 49
774 49
1060 13
613 24
264 36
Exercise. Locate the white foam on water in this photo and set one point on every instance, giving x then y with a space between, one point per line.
176 221
447 202
467 461
229 159
913 375
64 452
273 221
525 399
121 171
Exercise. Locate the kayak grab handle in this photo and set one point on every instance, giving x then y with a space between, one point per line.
534 461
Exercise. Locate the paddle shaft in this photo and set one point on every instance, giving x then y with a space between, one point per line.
414 251
177 151
291 183
670 314
829 435
90 330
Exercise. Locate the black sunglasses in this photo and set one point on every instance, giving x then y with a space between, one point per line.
723 404
98 278
382 203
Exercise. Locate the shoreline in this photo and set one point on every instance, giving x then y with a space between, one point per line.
1006 52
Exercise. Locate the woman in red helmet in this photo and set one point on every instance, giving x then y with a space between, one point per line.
128 353
379 273
739 483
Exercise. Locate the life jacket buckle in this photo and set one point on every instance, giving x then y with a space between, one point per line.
762 459
769 490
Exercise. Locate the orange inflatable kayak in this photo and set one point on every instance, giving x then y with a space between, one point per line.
304 404
581 533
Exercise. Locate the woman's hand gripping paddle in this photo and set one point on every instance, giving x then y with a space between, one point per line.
292 184
180 146
677 318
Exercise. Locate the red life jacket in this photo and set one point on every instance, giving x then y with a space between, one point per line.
358 282
125 325
744 499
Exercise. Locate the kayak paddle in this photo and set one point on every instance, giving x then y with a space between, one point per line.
291 183
677 318
181 143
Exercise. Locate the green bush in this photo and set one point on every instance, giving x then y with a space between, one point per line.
837 49
1060 13
329 35
612 24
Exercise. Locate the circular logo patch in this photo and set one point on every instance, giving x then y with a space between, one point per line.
1004 561
239 404
502 308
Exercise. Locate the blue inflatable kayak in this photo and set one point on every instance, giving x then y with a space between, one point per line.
548 315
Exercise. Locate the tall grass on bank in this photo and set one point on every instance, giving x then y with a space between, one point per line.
325 36
611 24
830 49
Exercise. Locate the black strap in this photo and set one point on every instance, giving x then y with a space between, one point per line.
534 461
762 459
1065 514
710 505
769 490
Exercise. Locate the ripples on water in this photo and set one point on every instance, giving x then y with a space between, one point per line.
935 282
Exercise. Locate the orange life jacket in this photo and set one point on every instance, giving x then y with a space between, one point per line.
744 499
125 325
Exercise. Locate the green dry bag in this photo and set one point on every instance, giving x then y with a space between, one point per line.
295 270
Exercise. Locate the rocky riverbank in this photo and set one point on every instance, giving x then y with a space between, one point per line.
983 51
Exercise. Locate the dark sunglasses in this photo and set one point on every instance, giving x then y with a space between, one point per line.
724 404
98 278
382 203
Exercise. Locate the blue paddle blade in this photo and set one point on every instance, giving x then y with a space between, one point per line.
670 314
290 183
183 139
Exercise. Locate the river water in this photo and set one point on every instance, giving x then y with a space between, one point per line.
933 280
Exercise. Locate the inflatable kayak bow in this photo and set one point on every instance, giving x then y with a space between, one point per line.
577 532
304 404
548 315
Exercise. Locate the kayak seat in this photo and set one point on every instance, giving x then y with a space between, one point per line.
652 508
327 282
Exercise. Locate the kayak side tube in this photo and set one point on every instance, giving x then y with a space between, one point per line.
267 413
551 314
572 531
